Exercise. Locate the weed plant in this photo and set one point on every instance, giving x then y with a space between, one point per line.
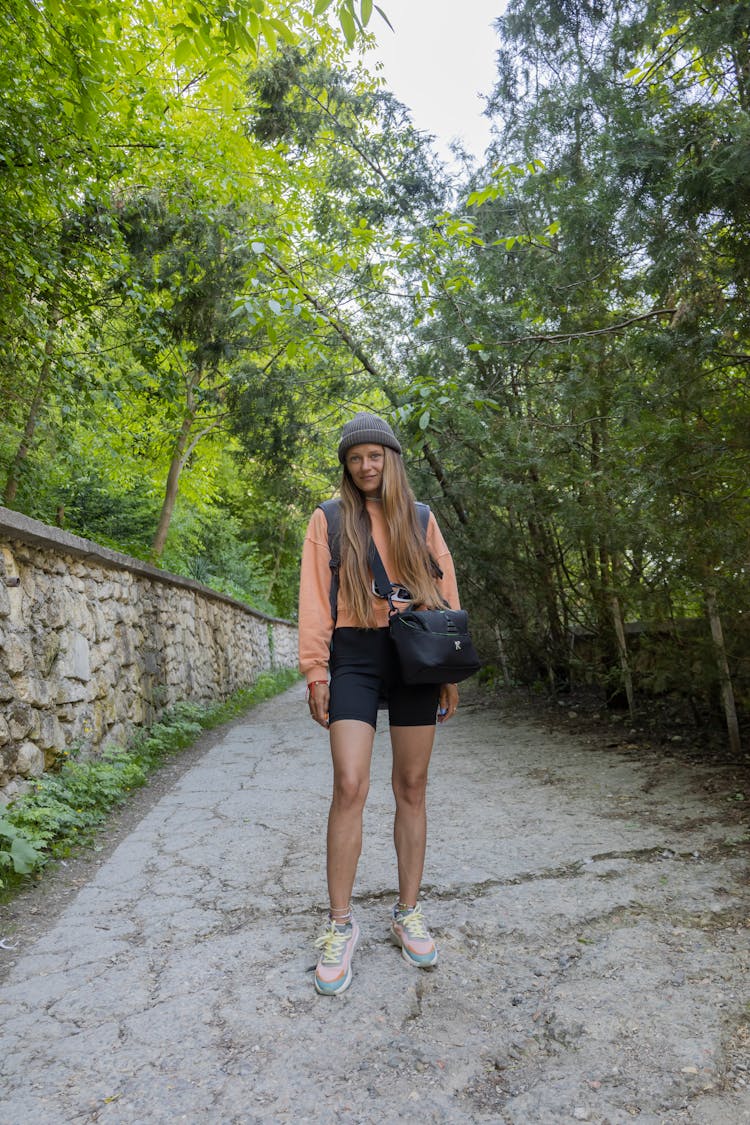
62 810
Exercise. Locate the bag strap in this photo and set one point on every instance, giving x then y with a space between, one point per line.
332 511
383 584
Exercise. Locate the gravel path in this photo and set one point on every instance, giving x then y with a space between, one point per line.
591 906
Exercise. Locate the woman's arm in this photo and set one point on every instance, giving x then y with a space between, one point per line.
315 621
438 548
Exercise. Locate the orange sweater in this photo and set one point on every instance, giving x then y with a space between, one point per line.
315 621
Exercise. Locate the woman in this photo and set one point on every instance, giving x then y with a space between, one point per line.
376 501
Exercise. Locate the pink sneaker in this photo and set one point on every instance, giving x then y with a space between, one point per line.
334 971
409 931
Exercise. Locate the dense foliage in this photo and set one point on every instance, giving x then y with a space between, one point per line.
220 236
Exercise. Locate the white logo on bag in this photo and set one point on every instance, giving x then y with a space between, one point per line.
458 645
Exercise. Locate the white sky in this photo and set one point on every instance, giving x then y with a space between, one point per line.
439 61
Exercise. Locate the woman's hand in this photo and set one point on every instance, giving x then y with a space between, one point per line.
448 702
318 696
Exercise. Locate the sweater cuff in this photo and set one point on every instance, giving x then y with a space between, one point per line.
320 673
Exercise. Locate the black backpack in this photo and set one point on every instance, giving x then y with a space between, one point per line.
332 511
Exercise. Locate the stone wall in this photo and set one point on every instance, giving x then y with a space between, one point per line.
94 643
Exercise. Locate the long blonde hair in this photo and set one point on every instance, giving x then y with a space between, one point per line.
408 549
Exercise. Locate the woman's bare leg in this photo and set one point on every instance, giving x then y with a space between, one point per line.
351 751
412 748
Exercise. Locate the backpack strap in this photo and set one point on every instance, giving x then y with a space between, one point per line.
332 511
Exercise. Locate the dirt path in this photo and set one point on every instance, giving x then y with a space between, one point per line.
591 905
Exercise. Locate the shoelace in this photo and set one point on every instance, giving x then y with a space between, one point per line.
413 923
332 942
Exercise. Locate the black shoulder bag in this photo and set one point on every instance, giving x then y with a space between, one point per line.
433 645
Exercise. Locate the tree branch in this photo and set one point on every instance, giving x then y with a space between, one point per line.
561 337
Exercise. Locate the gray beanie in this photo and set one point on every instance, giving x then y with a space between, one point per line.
366 428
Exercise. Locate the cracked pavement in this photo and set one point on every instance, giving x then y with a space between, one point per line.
591 907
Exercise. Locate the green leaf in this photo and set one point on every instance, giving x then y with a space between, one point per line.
25 857
424 420
269 33
284 31
183 52
383 16
348 26
366 11
321 6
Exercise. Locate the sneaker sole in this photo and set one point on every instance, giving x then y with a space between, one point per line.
427 965
322 990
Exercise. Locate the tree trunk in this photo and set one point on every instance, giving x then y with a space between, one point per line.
502 656
277 561
725 678
176 466
14 471
622 648
437 467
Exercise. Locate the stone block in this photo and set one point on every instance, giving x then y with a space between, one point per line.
119 734
32 689
4 731
81 618
102 685
102 626
53 613
50 735
14 789
138 711
30 760
4 599
16 653
7 561
107 655
81 730
74 661
49 652
125 648
28 583
20 718
71 691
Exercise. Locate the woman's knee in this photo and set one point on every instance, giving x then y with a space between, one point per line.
350 790
410 789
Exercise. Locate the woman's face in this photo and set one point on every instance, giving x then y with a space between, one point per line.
365 464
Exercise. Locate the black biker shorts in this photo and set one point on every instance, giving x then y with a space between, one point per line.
365 675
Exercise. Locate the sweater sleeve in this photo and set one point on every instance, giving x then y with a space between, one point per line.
315 621
439 550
